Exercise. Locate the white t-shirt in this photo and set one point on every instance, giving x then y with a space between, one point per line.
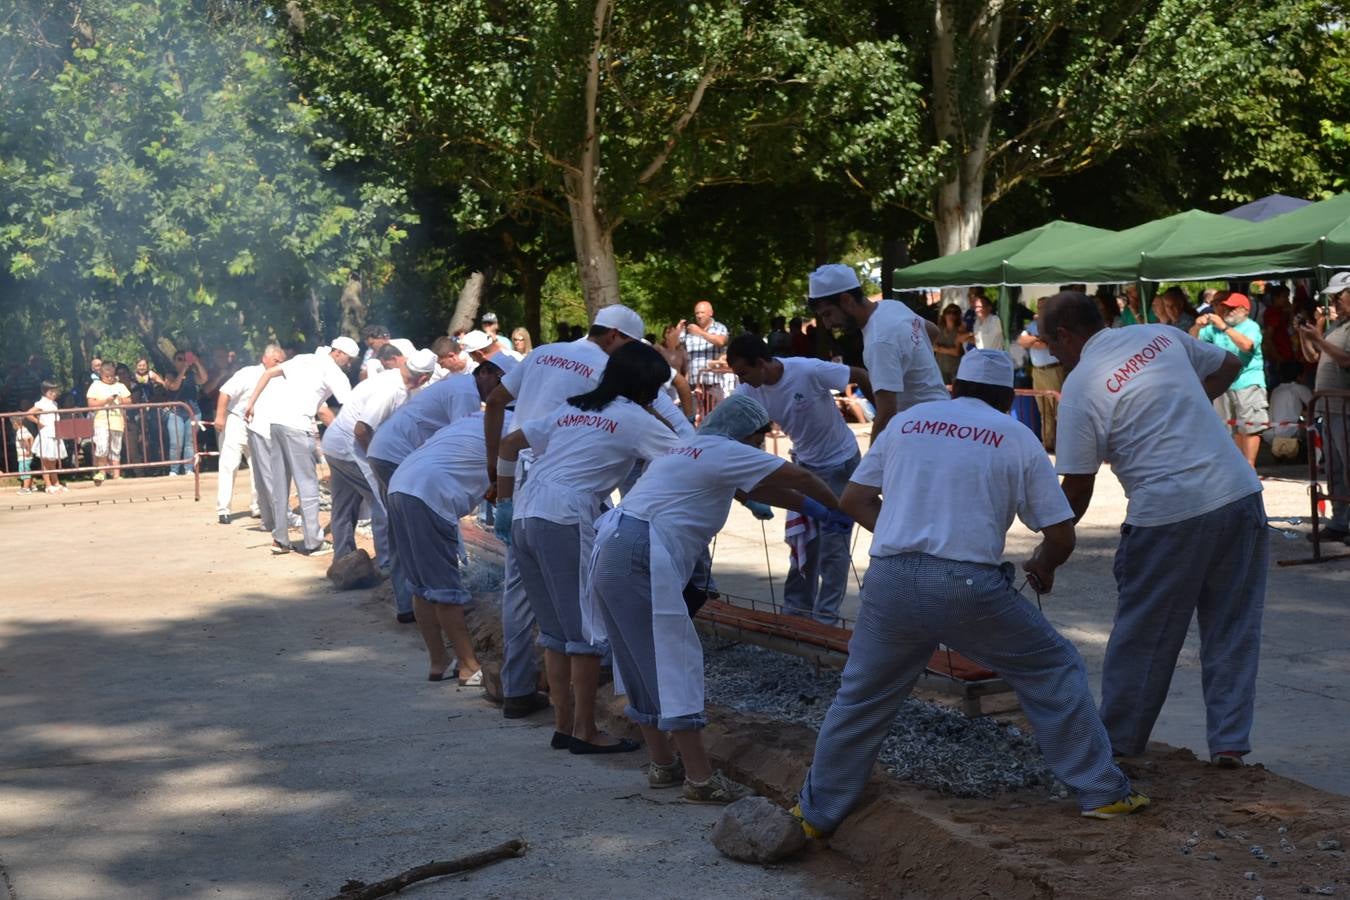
899 357
446 473
802 404
372 402
112 419
989 333
310 380
1001 468
426 412
1287 403
686 494
239 388
552 373
47 420
580 457
1134 400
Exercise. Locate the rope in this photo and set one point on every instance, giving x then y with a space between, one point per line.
764 532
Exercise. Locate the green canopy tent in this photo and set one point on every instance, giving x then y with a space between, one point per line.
1306 240
1116 257
997 262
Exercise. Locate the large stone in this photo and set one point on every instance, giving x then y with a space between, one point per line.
757 830
354 570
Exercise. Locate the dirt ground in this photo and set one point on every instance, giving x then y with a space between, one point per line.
189 716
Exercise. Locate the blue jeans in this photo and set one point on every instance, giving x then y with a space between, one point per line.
178 428
817 588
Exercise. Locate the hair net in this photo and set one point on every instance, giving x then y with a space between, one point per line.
736 417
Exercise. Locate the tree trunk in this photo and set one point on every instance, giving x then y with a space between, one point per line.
466 307
79 359
314 315
894 255
354 309
963 112
597 266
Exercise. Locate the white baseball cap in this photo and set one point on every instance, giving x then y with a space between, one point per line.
405 346
475 340
1339 282
831 279
422 362
346 345
986 367
621 318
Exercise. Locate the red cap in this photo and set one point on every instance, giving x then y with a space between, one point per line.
1238 300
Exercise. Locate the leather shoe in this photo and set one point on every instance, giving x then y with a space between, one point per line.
520 707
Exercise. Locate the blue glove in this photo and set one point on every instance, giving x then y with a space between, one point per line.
837 523
502 520
762 511
814 509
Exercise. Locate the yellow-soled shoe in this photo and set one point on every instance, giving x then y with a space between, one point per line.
811 831
1131 804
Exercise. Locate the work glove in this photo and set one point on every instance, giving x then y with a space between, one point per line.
814 509
502 520
761 511
837 523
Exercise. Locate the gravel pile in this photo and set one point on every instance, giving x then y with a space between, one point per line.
930 744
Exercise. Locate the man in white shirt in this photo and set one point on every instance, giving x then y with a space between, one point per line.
482 347
302 386
937 576
897 344
543 380
344 446
232 432
799 394
988 330
431 409
1139 399
1046 375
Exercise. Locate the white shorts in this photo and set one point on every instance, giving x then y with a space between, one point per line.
107 443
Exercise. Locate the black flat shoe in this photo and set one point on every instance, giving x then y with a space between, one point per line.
624 745
560 741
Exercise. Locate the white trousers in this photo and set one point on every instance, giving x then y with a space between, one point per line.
233 444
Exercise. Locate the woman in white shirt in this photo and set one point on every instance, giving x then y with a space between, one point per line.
582 451
645 550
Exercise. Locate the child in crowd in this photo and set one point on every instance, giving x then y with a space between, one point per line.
44 415
109 423
23 452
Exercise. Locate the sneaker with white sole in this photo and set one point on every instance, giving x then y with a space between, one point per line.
1131 804
717 789
324 549
474 680
667 776
1227 759
280 549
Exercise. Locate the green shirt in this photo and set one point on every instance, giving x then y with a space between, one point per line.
1253 372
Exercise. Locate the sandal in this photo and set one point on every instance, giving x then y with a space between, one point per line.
474 680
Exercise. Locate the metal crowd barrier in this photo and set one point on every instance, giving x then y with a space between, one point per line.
145 444
1328 418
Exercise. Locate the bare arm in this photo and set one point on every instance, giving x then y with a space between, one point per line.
886 403
1078 490
858 375
788 483
1243 343
1312 336
862 503
494 414
1030 340
686 396
1057 543
717 340
325 414
222 407
363 434
509 448
1221 378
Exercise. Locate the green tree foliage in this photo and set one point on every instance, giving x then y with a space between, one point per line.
601 113
155 178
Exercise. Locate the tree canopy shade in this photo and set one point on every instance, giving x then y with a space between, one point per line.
997 262
1311 238
1116 256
